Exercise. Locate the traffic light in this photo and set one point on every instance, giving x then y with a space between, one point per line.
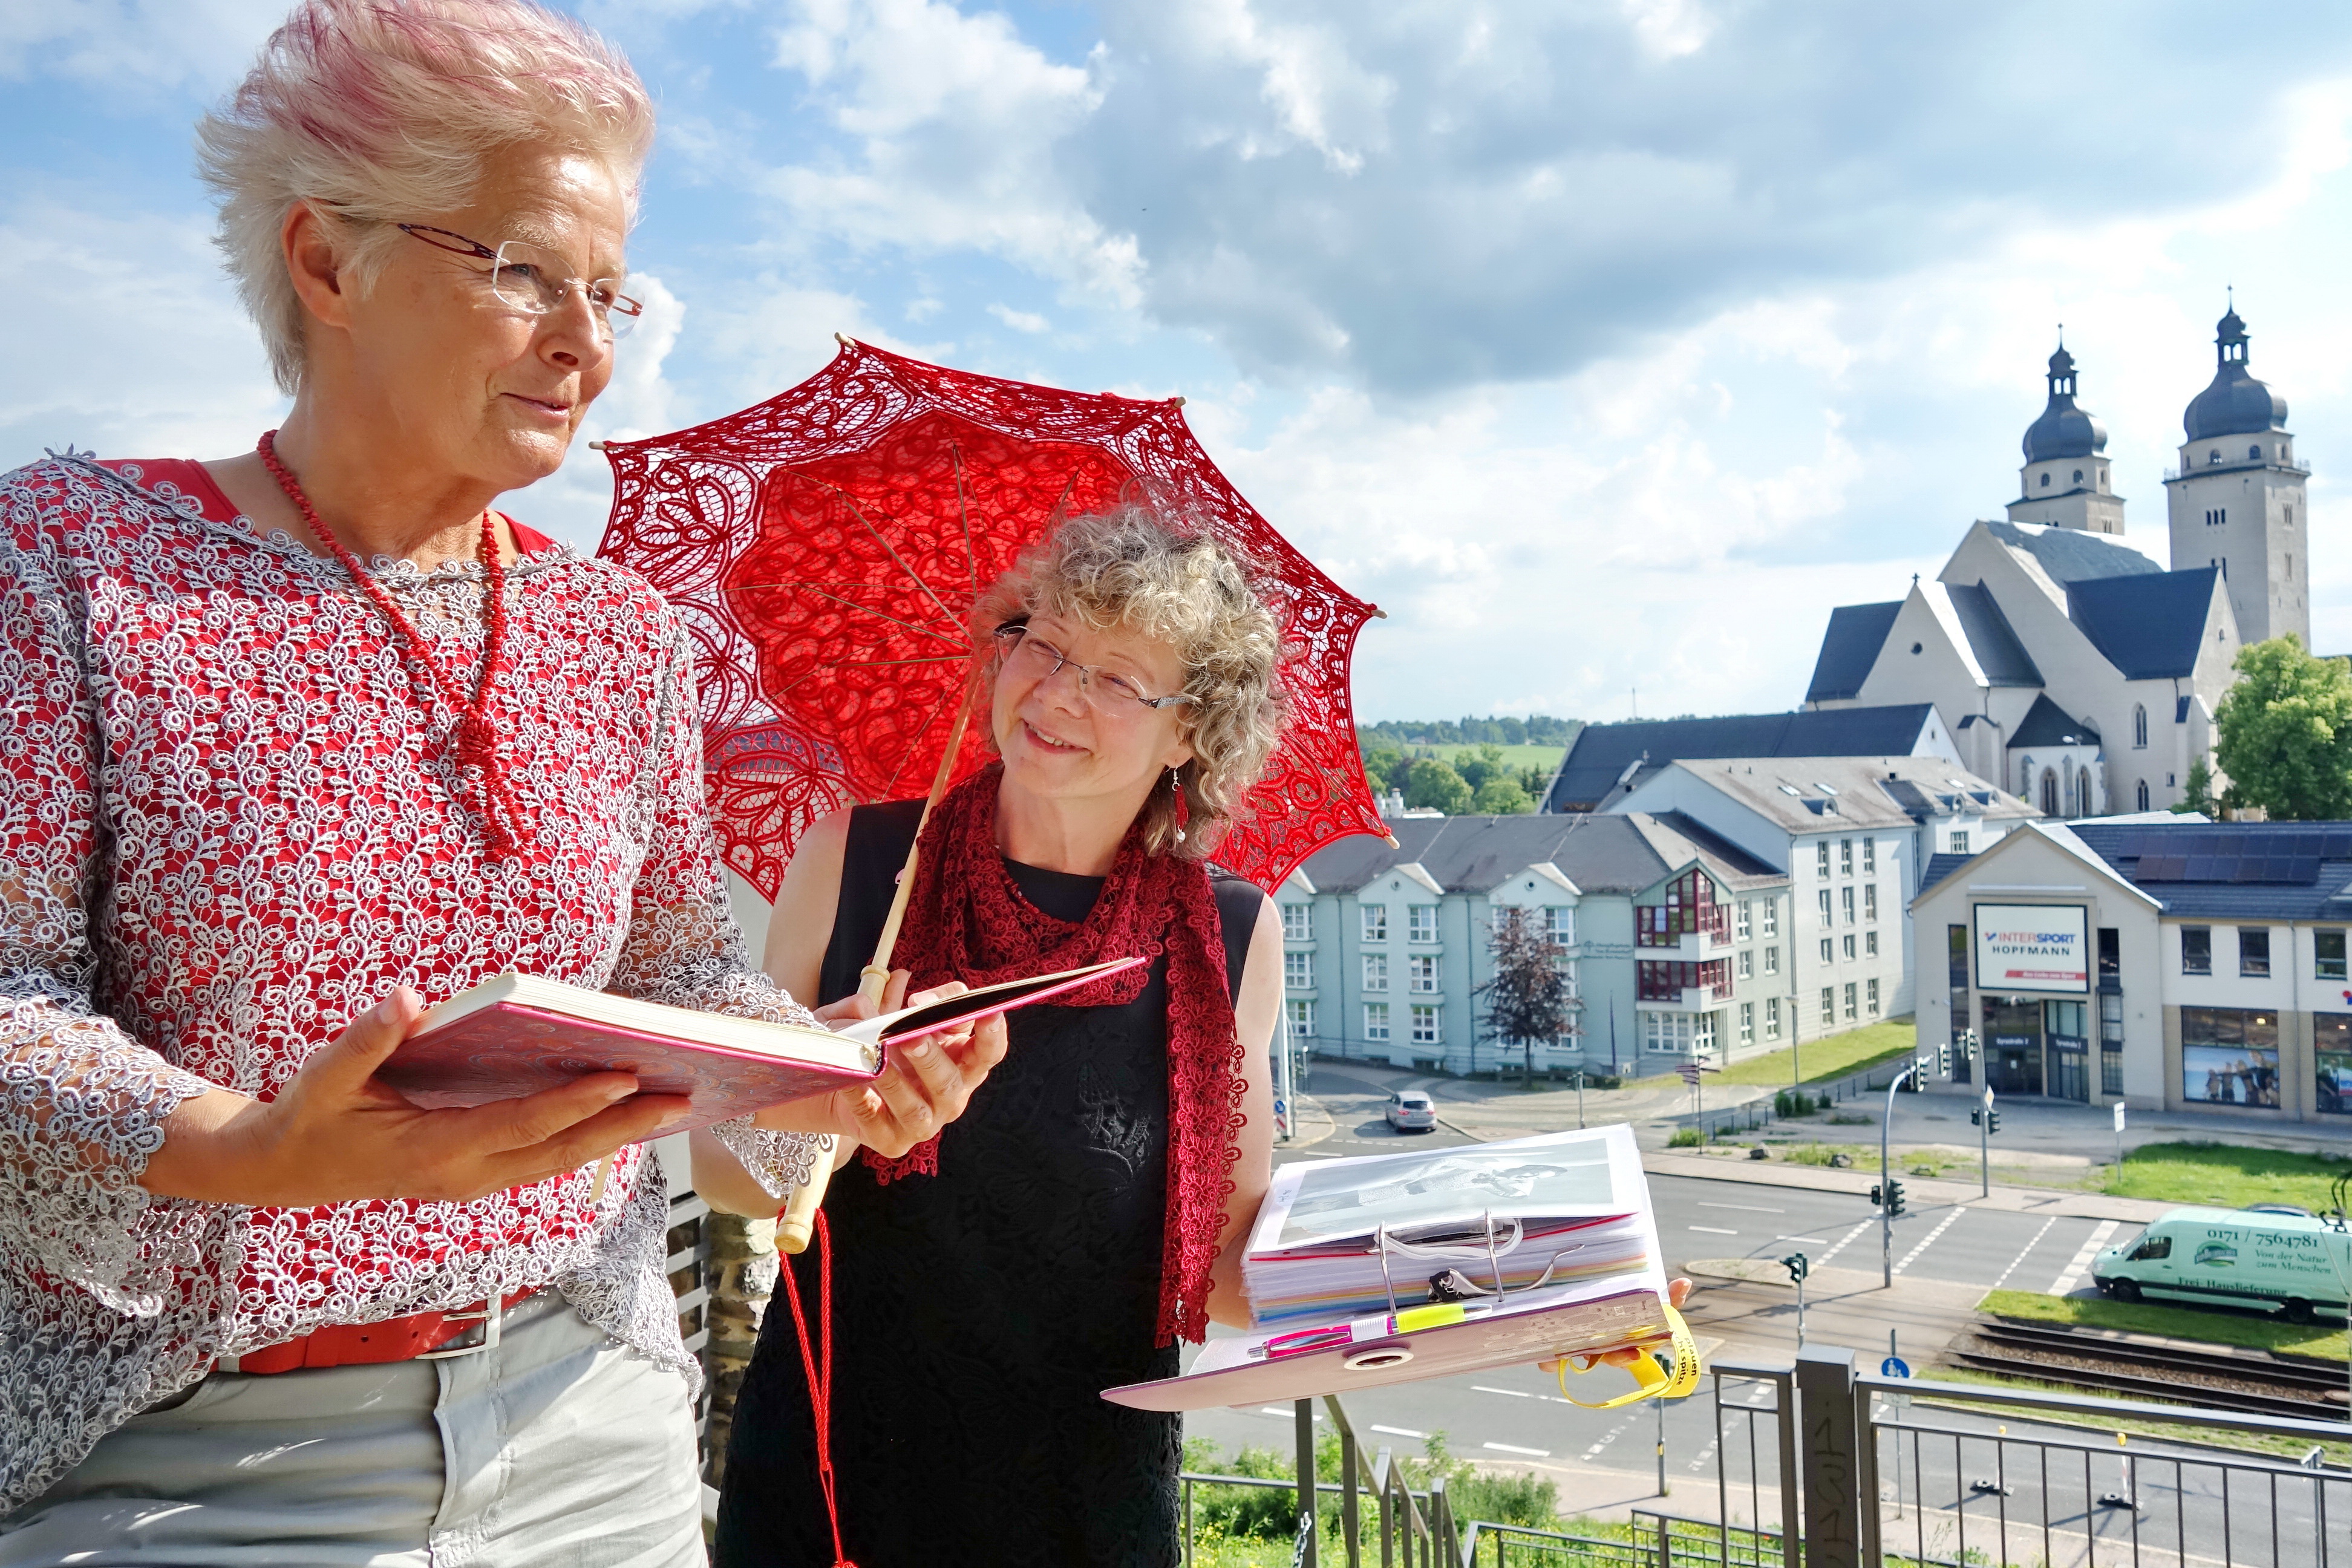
1993 1124
1944 1061
1975 1116
1894 1200
1878 1197
1799 1266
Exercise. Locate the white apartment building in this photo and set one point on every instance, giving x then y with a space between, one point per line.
1853 834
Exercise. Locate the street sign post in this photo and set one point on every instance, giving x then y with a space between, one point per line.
1984 1120
2119 1137
1889 1195
1799 1266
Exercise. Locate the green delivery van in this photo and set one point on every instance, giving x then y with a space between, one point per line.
2272 1256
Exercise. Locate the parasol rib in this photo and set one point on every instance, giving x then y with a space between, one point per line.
847 605
798 1220
889 549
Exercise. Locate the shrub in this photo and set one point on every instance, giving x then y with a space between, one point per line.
1686 1138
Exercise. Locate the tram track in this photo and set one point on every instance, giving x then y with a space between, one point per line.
2138 1369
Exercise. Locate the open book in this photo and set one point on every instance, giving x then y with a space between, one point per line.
519 1034
1393 1267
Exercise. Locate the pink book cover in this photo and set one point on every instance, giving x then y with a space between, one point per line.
510 1048
1578 1321
507 1049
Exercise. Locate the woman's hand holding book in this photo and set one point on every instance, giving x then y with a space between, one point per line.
924 1084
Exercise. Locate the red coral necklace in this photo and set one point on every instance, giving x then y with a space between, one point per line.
478 735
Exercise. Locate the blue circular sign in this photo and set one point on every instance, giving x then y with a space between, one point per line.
1893 1366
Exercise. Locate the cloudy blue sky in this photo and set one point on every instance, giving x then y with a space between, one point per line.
1606 343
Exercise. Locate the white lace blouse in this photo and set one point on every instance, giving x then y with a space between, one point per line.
229 821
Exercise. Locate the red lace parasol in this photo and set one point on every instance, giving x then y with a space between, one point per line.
827 548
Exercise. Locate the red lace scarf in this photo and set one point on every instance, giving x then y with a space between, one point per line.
967 921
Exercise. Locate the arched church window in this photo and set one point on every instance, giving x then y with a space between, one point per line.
2214 456
2046 481
2255 453
2050 792
2139 724
2142 794
2082 806
2078 475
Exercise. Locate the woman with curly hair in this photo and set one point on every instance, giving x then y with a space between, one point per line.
1090 1207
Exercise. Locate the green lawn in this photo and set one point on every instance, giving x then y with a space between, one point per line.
1821 1061
2176 1322
2225 1175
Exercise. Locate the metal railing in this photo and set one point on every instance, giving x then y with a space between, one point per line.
1818 1468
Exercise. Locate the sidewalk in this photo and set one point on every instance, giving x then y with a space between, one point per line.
1922 1191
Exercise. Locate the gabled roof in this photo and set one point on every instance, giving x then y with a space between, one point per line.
1604 753
1999 654
1618 854
1939 868
1849 648
2070 554
2148 627
1817 794
2047 724
2062 835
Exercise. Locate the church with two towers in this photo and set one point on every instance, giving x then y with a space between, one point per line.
2068 666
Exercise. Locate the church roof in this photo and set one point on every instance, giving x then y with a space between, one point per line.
1604 754
1849 648
2063 430
1999 654
2235 404
2047 724
2149 627
2071 554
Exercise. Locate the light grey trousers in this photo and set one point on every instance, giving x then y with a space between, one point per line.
557 1449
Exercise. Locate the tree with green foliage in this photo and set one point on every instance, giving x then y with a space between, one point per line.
1500 795
1476 767
1383 765
1527 1000
2197 794
1432 783
2286 733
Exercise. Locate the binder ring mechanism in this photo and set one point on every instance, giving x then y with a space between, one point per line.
1652 1381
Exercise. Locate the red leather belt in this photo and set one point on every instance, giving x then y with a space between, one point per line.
417 1337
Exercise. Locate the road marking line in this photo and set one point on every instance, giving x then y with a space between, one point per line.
1744 1208
2028 1247
1809 1240
1912 1255
1514 1393
2064 1284
1712 1230
1844 1242
1398 1431
1514 1449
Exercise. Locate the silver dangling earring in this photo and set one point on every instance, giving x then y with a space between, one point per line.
1176 788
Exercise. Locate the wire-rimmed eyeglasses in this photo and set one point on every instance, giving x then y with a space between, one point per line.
1105 692
533 279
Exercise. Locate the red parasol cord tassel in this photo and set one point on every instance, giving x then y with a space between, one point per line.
818 1366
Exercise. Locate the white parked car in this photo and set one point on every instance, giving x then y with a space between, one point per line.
1410 1110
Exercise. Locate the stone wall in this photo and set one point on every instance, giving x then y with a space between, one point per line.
743 1263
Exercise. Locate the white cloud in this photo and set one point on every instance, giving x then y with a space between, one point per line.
128 340
169 43
1019 320
952 121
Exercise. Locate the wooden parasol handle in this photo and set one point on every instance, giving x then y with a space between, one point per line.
798 1221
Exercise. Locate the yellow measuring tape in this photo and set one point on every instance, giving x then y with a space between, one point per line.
1653 1382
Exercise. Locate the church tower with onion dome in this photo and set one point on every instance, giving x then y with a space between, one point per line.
2065 480
2237 500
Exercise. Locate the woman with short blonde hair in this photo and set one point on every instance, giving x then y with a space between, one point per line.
1090 1210
296 742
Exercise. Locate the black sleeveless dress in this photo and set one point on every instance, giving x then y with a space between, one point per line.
977 1314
